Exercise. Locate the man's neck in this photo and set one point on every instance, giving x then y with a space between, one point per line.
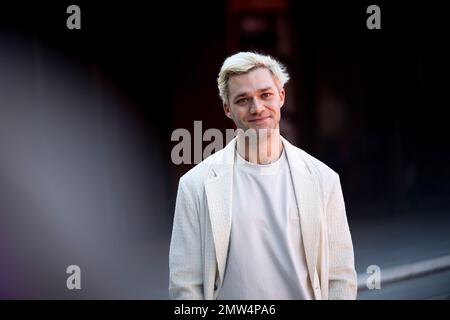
260 147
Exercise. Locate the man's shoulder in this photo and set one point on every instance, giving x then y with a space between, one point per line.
203 170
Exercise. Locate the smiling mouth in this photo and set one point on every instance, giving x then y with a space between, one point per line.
259 119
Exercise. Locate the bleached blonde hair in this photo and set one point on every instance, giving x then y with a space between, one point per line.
244 62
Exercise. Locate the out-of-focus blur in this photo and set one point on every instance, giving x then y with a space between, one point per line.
79 182
86 118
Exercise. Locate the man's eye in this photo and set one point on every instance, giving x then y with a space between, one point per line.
242 101
266 95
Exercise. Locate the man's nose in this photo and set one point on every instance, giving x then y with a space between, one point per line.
257 106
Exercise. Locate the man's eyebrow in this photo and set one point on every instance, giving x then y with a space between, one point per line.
266 88
243 94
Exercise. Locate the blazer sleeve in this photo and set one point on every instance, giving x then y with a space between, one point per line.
342 275
185 269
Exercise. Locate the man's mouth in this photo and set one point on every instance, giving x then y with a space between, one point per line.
257 120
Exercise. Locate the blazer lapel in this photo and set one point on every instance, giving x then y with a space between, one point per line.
308 202
219 196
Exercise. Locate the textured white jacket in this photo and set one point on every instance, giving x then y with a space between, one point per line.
202 224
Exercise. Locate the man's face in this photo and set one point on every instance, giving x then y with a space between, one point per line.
254 100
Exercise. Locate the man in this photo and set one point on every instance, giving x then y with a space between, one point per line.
260 219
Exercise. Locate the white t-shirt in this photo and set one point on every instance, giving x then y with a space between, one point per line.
266 258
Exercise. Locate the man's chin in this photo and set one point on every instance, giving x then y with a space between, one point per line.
267 125
261 129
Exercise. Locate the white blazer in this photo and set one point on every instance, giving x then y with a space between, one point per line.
202 224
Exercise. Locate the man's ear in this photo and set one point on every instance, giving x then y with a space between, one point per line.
226 109
282 94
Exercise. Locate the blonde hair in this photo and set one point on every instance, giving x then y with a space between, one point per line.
244 62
